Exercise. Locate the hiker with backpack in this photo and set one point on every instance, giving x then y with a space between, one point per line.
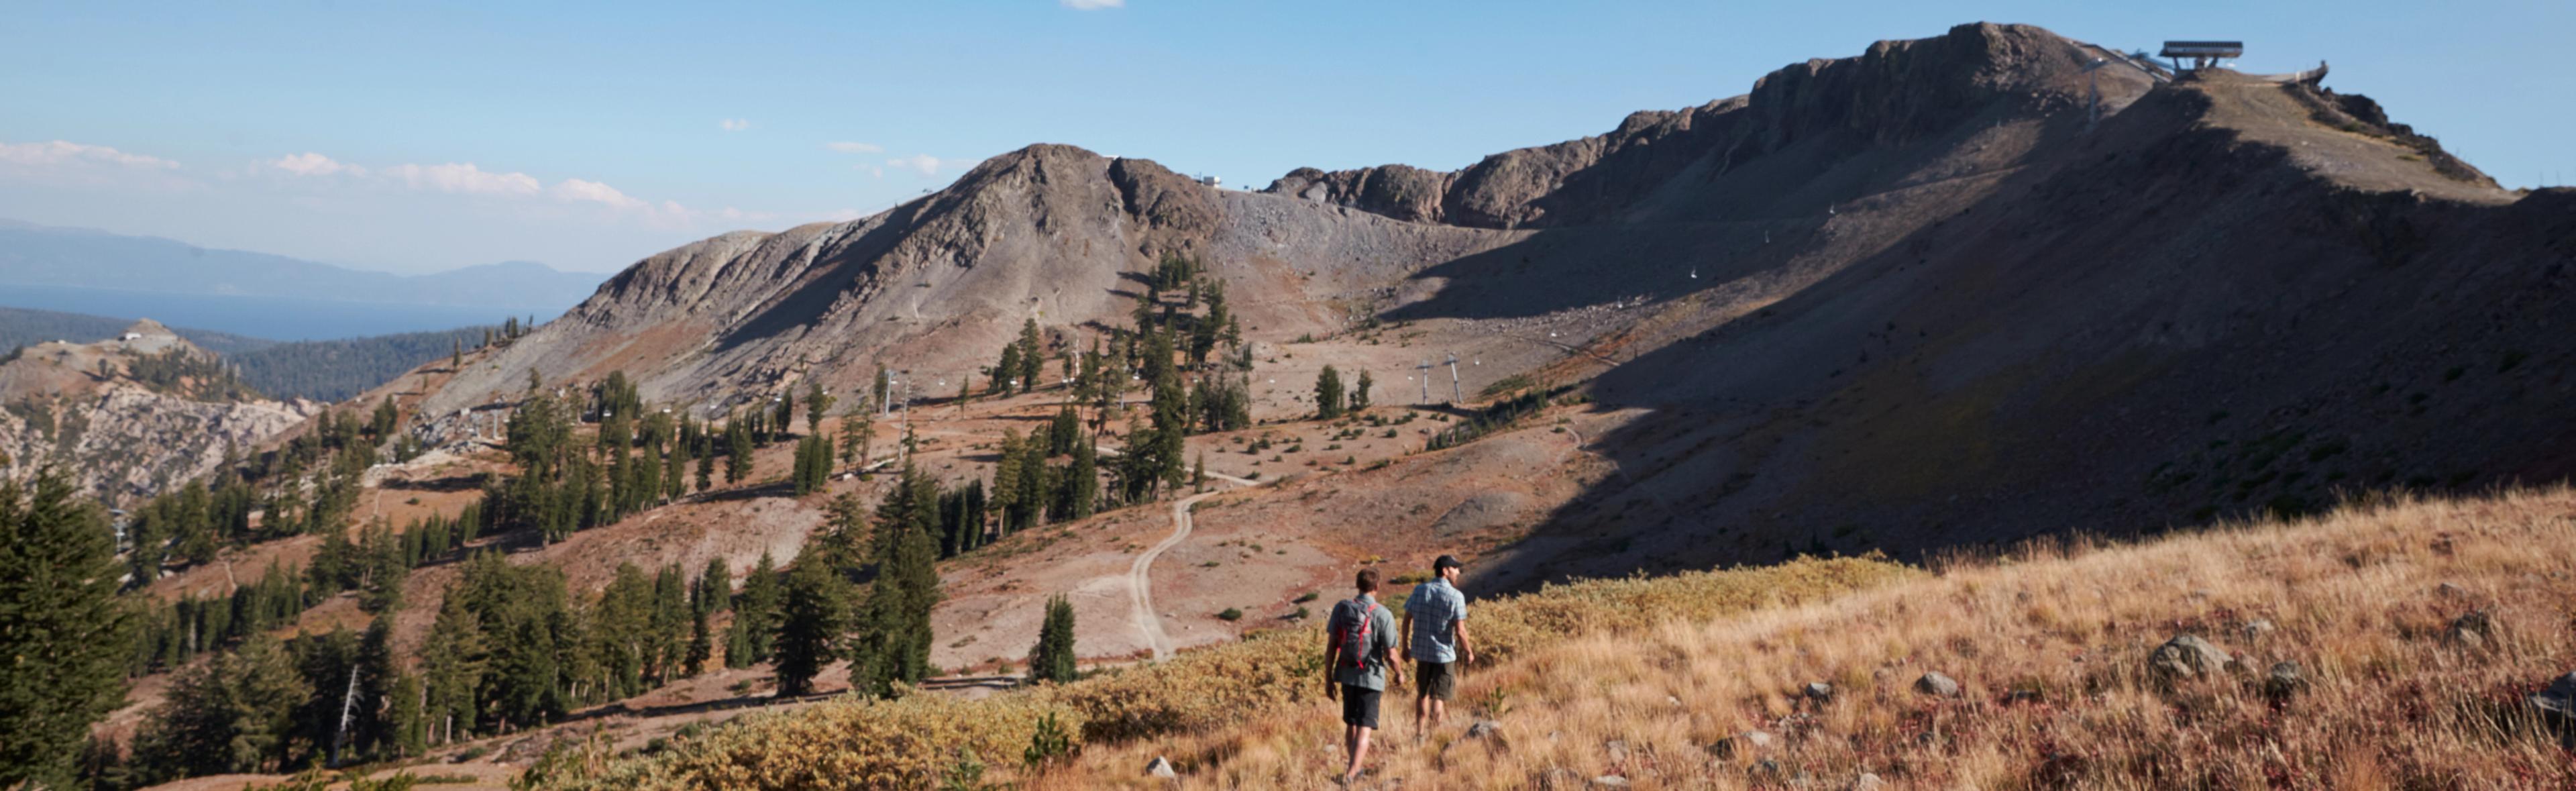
1435 639
1359 659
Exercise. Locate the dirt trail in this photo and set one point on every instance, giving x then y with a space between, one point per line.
1139 580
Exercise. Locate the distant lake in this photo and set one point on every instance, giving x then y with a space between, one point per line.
275 318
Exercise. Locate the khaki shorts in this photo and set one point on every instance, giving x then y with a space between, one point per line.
1436 679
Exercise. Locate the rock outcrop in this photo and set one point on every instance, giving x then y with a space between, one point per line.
80 407
1894 94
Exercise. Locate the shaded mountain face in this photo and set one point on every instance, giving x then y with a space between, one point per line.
130 416
1931 295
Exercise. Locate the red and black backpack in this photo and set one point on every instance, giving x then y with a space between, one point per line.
1354 639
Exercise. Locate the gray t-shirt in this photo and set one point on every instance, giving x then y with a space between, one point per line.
1371 672
1436 607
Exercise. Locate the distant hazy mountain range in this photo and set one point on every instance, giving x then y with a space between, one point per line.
94 272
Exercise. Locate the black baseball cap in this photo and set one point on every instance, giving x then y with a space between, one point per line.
1447 562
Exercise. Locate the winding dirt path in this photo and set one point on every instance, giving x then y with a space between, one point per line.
1140 583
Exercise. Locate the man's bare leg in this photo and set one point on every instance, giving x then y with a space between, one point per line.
1359 746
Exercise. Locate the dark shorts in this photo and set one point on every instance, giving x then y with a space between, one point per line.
1436 679
1359 706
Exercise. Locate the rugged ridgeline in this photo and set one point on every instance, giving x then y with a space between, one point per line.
131 415
1913 298
1049 232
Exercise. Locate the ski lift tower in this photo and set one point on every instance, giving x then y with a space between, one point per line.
1454 396
1424 369
2202 54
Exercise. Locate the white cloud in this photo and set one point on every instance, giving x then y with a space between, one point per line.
64 152
733 124
855 148
312 164
463 179
923 164
580 190
1093 5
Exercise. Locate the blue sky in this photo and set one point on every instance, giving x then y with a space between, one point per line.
427 137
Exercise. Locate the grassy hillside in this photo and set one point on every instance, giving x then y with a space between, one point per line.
924 740
1663 682
2052 650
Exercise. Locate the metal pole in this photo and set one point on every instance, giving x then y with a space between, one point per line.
1454 396
1425 370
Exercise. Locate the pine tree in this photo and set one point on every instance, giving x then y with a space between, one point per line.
1360 395
64 632
1004 370
856 434
1052 659
817 403
714 591
408 715
786 417
1082 478
1032 356
738 448
813 617
755 617
702 645
673 483
452 666
1006 479
706 470
232 713
894 626
813 465
1328 394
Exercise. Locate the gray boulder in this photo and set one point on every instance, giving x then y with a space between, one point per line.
1820 692
2473 629
1609 781
1746 743
2188 657
2285 680
1936 684
1485 729
2257 629
1161 768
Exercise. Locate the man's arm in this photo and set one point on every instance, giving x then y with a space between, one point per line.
1466 653
1332 657
1394 669
1404 636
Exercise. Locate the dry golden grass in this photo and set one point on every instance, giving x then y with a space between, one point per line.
1204 697
2050 644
